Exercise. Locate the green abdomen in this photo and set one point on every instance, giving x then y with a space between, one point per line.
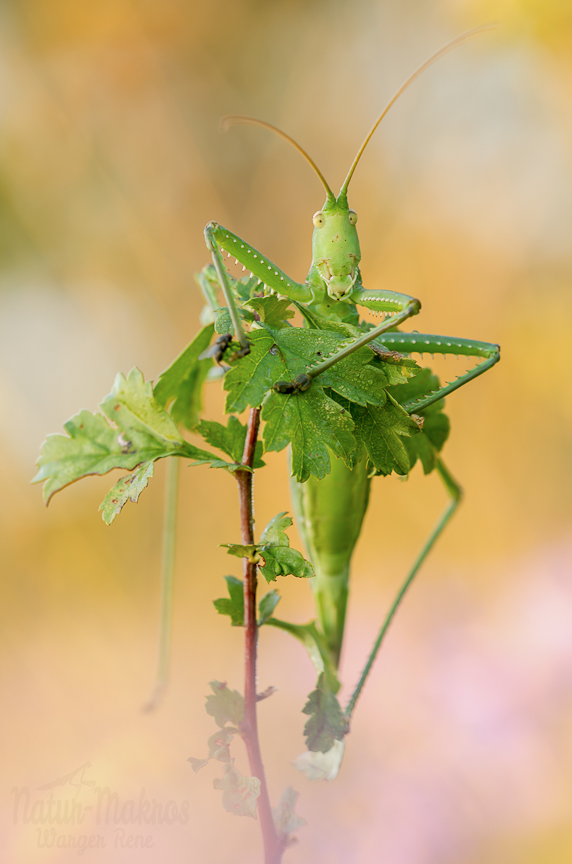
329 514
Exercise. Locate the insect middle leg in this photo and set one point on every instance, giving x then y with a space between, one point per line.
455 494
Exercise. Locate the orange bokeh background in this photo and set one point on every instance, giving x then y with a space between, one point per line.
110 165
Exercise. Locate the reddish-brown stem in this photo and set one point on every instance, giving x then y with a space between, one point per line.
249 726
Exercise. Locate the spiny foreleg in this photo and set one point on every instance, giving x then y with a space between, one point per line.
252 260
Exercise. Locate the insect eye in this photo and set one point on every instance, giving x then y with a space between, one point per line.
352 216
319 219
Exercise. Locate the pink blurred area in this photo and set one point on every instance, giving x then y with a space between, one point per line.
111 163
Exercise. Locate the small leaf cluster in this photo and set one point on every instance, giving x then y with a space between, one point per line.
239 793
327 723
273 554
233 605
350 410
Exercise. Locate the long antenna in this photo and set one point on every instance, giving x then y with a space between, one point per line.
231 119
464 37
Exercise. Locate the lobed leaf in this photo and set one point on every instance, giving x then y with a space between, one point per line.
274 312
233 605
239 793
313 421
180 385
129 488
142 431
283 561
267 606
219 744
274 550
225 705
326 724
239 550
353 377
230 439
427 445
313 424
381 431
250 378
132 407
275 531
92 446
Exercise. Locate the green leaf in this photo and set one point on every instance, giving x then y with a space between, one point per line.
436 426
132 407
219 744
282 561
219 748
290 351
241 551
250 378
272 311
326 723
275 530
247 287
423 383
314 424
233 605
353 377
274 549
381 431
92 447
239 793
230 439
129 488
312 421
223 321
267 606
181 384
225 705
142 432
286 820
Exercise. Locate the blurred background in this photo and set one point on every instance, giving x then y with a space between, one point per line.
111 163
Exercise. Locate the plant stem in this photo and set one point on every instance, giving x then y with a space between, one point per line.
249 726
